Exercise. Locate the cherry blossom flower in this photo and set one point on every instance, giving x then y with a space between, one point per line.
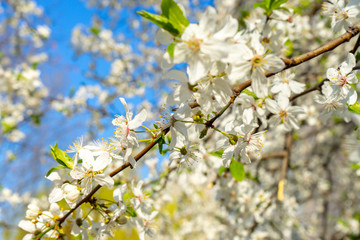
124 127
202 43
284 83
284 114
187 155
331 104
342 16
241 143
341 78
146 224
91 170
255 63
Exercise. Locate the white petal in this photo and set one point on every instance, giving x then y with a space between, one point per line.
352 96
228 30
77 173
138 119
272 106
248 116
87 157
28 226
56 195
122 100
104 180
177 75
163 37
283 101
227 156
102 161
296 87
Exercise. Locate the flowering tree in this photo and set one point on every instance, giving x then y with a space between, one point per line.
254 141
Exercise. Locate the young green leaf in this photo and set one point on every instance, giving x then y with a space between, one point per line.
355 108
61 157
222 170
237 170
218 153
53 169
170 50
161 21
173 12
250 93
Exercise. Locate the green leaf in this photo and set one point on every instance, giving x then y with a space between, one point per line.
289 48
270 5
131 211
7 127
170 50
222 170
355 108
355 166
161 142
95 30
260 5
61 157
53 169
173 12
161 21
218 153
276 4
203 132
357 57
250 93
36 118
237 170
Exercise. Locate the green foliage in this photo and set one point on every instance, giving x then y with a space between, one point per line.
222 169
237 170
172 18
355 108
173 12
161 141
36 118
289 48
203 132
61 157
95 30
355 166
170 50
53 169
270 5
250 93
218 153
7 127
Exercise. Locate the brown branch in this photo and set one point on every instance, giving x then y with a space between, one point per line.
236 92
314 88
353 31
356 46
286 158
273 155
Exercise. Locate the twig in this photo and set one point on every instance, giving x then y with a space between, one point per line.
356 46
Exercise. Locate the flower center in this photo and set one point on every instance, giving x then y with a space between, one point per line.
256 60
183 151
194 44
283 114
342 80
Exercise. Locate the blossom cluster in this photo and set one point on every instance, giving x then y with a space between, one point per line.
223 144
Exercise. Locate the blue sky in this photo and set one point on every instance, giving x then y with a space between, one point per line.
61 74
